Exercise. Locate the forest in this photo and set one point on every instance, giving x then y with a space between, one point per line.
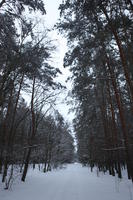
29 134
100 57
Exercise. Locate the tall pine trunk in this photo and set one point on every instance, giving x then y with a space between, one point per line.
122 55
122 119
32 132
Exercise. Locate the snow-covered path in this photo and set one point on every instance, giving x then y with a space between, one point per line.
73 183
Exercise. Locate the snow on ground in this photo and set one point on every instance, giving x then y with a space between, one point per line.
73 183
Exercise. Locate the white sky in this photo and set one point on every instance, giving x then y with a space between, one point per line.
52 11
50 19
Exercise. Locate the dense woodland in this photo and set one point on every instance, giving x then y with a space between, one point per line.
100 57
35 133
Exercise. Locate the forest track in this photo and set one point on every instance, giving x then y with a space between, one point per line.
72 183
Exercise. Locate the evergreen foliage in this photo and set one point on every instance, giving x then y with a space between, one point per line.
99 36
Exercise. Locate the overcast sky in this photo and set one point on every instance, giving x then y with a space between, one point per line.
52 10
50 19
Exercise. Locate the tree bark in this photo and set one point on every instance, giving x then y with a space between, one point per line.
32 132
11 136
122 56
26 165
115 132
123 123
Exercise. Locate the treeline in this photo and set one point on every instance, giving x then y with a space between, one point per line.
28 134
100 56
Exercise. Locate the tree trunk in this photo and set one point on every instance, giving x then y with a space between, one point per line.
5 136
32 132
26 165
115 133
122 56
11 137
122 119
